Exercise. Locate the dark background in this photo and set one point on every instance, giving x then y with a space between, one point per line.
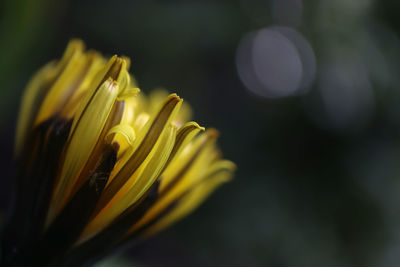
306 96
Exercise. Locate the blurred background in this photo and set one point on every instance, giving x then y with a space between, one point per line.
306 96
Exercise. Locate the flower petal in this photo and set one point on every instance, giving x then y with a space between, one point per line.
82 140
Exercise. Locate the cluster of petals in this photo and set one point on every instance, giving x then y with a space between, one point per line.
101 163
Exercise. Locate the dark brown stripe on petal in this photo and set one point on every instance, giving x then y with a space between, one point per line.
114 71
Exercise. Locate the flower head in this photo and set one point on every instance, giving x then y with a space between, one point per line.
100 163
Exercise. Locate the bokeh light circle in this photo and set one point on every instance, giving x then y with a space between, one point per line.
275 62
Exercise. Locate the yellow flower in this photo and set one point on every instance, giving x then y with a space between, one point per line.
100 163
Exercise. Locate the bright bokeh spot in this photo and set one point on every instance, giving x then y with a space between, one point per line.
275 62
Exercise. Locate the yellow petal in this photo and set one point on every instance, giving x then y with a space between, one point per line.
31 101
70 66
114 69
94 63
155 100
82 141
141 121
185 135
123 134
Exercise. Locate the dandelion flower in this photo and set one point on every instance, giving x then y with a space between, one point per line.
100 164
